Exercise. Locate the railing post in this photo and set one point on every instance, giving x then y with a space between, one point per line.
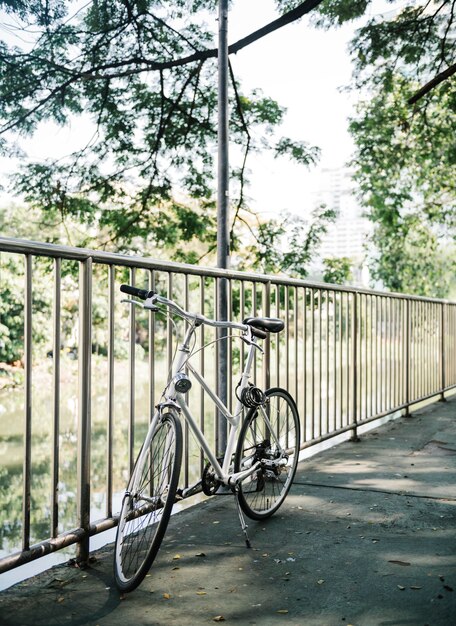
56 396
442 355
84 357
27 467
408 351
354 431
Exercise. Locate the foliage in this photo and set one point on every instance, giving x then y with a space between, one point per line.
144 75
288 244
405 157
337 270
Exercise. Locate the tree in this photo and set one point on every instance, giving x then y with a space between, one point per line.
145 76
289 244
404 131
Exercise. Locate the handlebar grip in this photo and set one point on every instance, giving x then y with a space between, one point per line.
143 294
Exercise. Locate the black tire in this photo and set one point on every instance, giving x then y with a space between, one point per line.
147 503
262 493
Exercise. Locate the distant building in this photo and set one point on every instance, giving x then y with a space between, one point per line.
348 236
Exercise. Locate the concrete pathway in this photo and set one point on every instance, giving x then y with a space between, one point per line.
366 537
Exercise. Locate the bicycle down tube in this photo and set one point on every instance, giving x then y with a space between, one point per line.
234 419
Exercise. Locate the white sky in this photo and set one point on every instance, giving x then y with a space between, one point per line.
299 66
303 69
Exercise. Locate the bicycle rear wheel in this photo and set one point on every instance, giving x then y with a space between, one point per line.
270 434
147 503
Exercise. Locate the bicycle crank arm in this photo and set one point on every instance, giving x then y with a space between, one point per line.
181 494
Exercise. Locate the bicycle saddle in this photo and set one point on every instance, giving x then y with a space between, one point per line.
268 324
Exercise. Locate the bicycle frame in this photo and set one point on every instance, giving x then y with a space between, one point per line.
172 397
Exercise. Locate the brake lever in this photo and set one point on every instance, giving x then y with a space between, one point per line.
128 301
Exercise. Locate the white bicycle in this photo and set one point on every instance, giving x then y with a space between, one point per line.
260 459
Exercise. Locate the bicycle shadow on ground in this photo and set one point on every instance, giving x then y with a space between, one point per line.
63 595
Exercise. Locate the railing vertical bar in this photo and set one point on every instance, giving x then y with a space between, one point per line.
334 325
304 365
380 355
400 351
242 317
278 336
267 342
423 350
387 355
169 328
354 435
431 348
408 355
131 378
420 352
27 467
151 325
348 357
327 359
413 345
254 313
393 349
371 345
436 348
312 369
56 340
216 368
437 344
341 380
201 366
296 364
110 406
320 362
376 342
186 426
363 367
427 363
442 348
230 346
287 337
84 423
435 365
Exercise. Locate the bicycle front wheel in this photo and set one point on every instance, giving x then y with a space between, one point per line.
269 435
147 503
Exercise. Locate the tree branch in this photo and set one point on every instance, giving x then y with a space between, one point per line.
286 18
440 78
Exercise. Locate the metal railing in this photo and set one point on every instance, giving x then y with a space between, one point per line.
349 357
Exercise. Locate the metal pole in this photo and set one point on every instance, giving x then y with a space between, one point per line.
223 251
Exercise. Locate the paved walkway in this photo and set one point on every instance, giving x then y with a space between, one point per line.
366 537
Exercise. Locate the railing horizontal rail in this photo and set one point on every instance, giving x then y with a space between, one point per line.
92 371
20 246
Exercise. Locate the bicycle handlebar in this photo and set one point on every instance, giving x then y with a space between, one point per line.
143 294
139 293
